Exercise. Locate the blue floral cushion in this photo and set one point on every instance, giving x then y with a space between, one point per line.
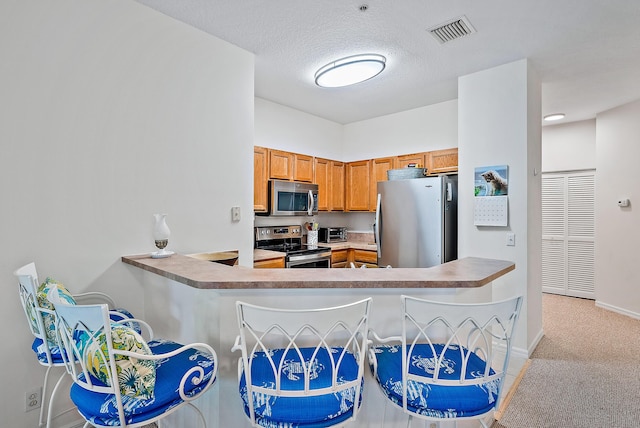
439 401
101 409
43 302
308 412
38 348
136 377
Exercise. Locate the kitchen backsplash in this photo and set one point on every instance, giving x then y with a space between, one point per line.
366 237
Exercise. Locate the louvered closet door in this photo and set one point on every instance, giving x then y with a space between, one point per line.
568 233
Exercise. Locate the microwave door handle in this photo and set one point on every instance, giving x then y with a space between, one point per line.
310 205
377 229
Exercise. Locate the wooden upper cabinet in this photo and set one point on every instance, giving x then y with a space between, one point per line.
280 165
336 183
357 179
441 161
379 168
322 179
260 179
302 168
351 186
290 166
329 176
419 159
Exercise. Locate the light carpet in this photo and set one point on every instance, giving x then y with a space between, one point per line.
584 372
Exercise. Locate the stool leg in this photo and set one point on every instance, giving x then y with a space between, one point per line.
199 414
43 401
53 393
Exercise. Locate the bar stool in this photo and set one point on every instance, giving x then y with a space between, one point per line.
41 320
302 367
125 378
450 361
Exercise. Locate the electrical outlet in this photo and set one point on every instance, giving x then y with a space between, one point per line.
511 239
32 399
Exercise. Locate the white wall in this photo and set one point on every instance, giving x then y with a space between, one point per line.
618 229
284 128
569 147
499 124
110 112
422 129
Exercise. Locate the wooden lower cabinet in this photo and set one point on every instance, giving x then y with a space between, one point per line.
362 257
271 263
339 258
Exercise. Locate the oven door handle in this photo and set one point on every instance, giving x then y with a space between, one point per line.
305 257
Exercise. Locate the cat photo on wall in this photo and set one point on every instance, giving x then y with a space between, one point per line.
491 181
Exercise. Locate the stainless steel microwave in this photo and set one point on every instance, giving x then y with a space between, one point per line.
292 198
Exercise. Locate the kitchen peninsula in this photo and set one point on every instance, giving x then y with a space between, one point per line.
193 300
463 273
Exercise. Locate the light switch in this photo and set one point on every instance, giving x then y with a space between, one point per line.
511 239
235 213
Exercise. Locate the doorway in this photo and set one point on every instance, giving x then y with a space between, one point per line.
568 233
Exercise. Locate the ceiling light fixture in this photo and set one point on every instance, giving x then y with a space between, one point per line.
350 70
554 116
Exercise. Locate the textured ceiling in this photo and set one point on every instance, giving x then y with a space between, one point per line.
586 52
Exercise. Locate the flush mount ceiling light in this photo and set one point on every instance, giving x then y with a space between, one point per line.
554 116
350 70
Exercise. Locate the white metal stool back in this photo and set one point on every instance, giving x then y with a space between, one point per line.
450 361
302 367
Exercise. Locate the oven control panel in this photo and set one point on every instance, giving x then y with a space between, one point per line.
278 232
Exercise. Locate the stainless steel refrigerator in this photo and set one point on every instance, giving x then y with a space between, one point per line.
417 221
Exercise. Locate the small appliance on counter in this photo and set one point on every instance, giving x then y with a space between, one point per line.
332 234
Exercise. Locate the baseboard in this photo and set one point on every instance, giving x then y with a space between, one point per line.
507 399
618 310
534 343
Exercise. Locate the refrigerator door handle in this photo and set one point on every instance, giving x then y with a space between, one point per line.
377 229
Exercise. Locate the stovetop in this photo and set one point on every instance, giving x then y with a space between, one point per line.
291 248
285 239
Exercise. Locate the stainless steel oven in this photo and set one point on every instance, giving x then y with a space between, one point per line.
288 240
313 260
287 198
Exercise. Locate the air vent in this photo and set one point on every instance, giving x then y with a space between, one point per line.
452 30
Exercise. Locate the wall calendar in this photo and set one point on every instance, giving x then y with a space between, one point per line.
491 202
491 211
